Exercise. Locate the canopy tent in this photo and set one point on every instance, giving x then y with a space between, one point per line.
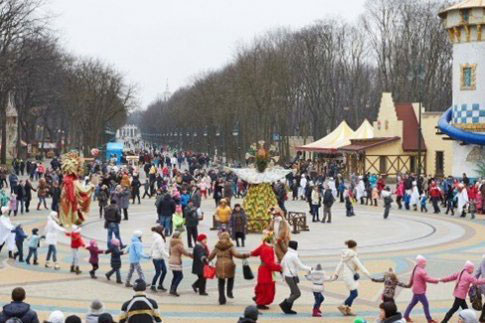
330 143
365 131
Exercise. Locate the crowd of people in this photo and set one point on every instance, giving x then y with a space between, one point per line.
179 182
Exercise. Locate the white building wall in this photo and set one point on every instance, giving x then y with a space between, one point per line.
460 164
469 53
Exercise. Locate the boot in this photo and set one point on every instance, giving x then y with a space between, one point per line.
56 266
108 277
91 273
11 256
343 309
316 313
174 293
78 272
349 311
285 307
36 263
291 311
72 269
47 264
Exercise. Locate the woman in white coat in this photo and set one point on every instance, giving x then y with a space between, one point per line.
414 200
159 254
462 197
7 237
360 190
51 232
348 269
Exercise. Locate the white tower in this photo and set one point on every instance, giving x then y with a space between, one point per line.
167 93
465 23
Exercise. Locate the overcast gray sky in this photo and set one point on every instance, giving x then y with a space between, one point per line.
150 41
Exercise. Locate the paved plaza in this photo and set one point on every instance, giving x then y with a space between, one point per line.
446 241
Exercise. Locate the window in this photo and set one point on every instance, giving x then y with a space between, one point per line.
465 14
439 163
382 164
468 77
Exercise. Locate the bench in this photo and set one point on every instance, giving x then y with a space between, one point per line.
298 221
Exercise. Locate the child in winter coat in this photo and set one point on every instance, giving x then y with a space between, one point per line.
390 281
375 195
20 236
348 203
423 201
419 279
386 194
464 280
76 243
34 241
13 204
178 219
317 276
136 254
116 253
94 257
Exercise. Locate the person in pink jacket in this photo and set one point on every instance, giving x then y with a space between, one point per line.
399 193
419 279
464 280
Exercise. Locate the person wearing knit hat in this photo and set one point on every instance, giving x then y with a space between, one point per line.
94 253
105 318
52 230
191 223
251 314
419 279
95 310
76 243
201 252
116 253
178 219
140 308
136 254
467 316
464 280
56 317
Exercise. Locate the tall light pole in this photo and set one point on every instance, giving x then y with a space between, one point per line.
418 75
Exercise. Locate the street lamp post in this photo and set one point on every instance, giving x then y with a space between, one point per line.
418 75
235 134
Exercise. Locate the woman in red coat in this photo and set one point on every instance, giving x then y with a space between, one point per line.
265 287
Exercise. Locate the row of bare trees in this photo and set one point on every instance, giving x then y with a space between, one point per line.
59 98
305 82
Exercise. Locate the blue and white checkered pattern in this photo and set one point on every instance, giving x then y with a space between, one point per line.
469 114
